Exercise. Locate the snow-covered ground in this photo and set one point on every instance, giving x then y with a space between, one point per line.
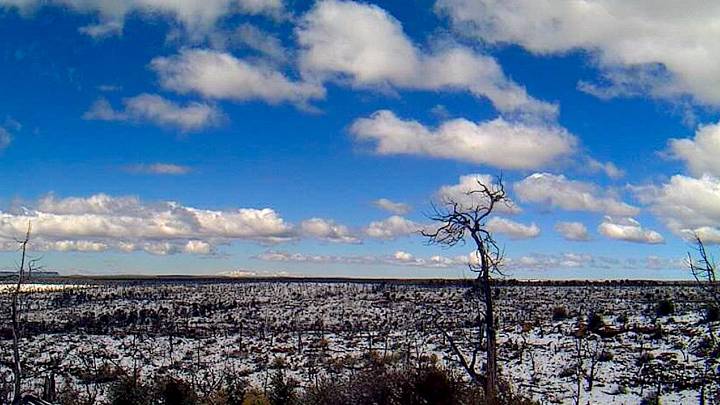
37 287
204 329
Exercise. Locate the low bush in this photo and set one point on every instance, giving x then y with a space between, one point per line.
130 391
595 321
171 391
665 307
559 313
712 313
377 384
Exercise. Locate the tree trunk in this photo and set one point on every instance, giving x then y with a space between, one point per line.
16 365
491 383
491 379
14 315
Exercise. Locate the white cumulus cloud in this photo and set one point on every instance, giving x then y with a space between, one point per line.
220 75
662 49
157 110
700 154
364 46
559 191
392 206
499 143
574 231
101 222
196 17
609 168
392 228
687 205
514 230
628 229
328 230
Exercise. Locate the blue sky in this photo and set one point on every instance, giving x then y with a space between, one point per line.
258 136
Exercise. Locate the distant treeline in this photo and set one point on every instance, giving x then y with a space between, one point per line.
53 277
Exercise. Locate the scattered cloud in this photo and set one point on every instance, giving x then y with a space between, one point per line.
7 128
514 230
165 248
550 261
71 246
12 124
398 258
251 37
440 111
686 205
572 195
220 75
103 29
158 168
5 138
407 259
128 224
608 168
584 261
365 47
272 8
629 230
246 273
499 143
392 228
531 262
159 111
108 88
662 50
573 231
198 247
700 154
162 248
327 230
197 18
392 206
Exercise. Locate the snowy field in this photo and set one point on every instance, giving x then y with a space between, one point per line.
551 346
37 287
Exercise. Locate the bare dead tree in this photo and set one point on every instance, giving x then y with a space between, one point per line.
15 318
704 270
457 221
594 351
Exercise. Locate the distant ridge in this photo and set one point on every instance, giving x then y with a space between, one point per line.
34 274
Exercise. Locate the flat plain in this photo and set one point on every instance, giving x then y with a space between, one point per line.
611 342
